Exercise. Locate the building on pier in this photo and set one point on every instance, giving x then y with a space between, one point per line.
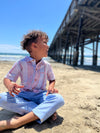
80 27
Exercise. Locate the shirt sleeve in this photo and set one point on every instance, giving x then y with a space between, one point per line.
14 73
50 74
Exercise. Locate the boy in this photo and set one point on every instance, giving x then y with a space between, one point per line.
32 101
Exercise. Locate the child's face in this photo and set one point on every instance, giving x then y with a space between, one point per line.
39 49
42 47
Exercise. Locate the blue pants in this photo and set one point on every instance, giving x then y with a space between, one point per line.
42 106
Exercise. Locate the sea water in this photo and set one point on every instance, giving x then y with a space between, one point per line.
17 56
14 56
11 56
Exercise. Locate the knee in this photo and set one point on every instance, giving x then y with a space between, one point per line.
55 98
59 99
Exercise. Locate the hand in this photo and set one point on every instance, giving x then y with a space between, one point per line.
13 88
51 90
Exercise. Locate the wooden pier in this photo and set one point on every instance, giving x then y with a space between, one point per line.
80 27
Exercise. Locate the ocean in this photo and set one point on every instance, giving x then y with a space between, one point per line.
14 56
17 56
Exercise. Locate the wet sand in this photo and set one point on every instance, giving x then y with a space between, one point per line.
80 87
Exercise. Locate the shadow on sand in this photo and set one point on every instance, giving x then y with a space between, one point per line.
47 124
92 68
5 115
84 67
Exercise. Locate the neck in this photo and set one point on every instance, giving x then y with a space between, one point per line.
37 59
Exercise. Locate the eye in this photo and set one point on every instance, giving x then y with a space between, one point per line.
45 43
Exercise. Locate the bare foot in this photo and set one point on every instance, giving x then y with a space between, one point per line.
8 124
54 116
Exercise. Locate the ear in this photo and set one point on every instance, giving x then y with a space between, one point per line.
34 45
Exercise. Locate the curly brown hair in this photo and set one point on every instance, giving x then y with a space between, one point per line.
32 37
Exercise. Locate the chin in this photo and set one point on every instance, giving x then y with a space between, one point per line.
45 54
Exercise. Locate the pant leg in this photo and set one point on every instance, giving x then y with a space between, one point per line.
51 103
16 104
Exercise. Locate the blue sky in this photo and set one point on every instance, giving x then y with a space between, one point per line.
17 17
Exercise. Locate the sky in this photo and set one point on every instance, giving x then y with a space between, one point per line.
18 17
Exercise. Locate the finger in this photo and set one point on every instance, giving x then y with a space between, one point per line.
47 93
15 88
56 91
52 91
11 93
20 86
16 92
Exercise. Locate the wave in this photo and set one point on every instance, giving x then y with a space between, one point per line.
18 56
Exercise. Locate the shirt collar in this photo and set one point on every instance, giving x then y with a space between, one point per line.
30 59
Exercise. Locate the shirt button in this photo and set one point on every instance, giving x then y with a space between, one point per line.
35 79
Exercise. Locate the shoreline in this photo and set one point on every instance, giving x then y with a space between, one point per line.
80 87
18 56
50 60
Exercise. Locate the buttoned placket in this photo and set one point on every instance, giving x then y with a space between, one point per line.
35 72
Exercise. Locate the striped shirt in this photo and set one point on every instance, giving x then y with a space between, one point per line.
33 76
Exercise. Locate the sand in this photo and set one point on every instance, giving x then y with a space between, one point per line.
80 87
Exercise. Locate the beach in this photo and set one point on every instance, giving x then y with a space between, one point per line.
80 87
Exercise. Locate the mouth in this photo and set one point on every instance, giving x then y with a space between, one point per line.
47 49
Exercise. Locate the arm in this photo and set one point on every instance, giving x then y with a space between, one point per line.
51 88
12 87
11 78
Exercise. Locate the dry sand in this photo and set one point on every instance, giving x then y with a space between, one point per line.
80 87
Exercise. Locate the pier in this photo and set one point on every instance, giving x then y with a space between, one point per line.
79 28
